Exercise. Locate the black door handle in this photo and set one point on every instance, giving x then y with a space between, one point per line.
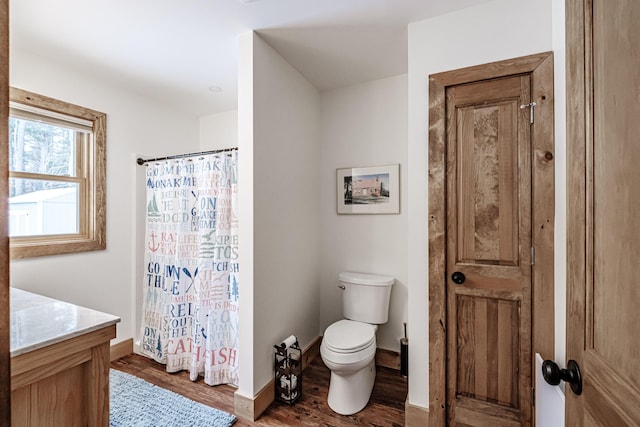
458 278
553 374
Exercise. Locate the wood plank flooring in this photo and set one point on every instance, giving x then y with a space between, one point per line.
385 408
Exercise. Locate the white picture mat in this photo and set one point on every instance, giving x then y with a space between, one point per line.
390 206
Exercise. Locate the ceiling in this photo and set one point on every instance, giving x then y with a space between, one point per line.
174 51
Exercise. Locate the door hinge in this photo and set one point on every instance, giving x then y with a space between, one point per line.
533 396
531 106
533 255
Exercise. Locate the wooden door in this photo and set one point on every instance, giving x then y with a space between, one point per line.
5 360
603 227
491 204
489 252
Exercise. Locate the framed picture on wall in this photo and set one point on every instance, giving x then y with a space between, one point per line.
368 190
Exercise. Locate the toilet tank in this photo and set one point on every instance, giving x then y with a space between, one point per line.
365 297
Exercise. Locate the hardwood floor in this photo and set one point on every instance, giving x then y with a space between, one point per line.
385 408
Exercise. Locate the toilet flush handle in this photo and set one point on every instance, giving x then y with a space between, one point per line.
341 287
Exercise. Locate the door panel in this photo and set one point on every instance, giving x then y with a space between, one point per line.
616 152
489 241
603 41
487 348
487 228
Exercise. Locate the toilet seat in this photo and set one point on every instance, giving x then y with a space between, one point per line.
348 336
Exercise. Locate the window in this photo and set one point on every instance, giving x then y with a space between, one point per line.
57 166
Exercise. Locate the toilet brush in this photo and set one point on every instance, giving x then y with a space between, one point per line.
404 353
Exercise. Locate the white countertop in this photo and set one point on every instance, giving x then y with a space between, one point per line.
38 321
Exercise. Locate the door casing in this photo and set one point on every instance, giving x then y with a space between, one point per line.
5 357
540 66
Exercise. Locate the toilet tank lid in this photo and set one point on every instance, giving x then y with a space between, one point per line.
365 279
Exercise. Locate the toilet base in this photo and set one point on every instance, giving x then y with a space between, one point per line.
350 393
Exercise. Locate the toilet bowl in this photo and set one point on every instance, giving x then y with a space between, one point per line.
348 349
349 346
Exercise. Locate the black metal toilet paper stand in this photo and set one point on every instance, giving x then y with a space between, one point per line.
288 372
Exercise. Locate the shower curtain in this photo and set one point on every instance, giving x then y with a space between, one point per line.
190 296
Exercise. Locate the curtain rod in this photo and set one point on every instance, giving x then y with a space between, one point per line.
142 161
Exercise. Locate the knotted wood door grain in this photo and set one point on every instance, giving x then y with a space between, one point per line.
489 241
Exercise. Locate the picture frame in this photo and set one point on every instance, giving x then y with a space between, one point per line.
368 190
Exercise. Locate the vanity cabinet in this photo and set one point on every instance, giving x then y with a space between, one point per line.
59 362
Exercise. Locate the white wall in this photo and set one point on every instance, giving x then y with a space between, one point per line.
218 131
282 147
245 214
490 32
364 125
102 280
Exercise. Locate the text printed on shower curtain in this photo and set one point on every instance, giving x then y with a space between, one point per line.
190 286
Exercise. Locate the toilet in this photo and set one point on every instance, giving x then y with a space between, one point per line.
348 346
